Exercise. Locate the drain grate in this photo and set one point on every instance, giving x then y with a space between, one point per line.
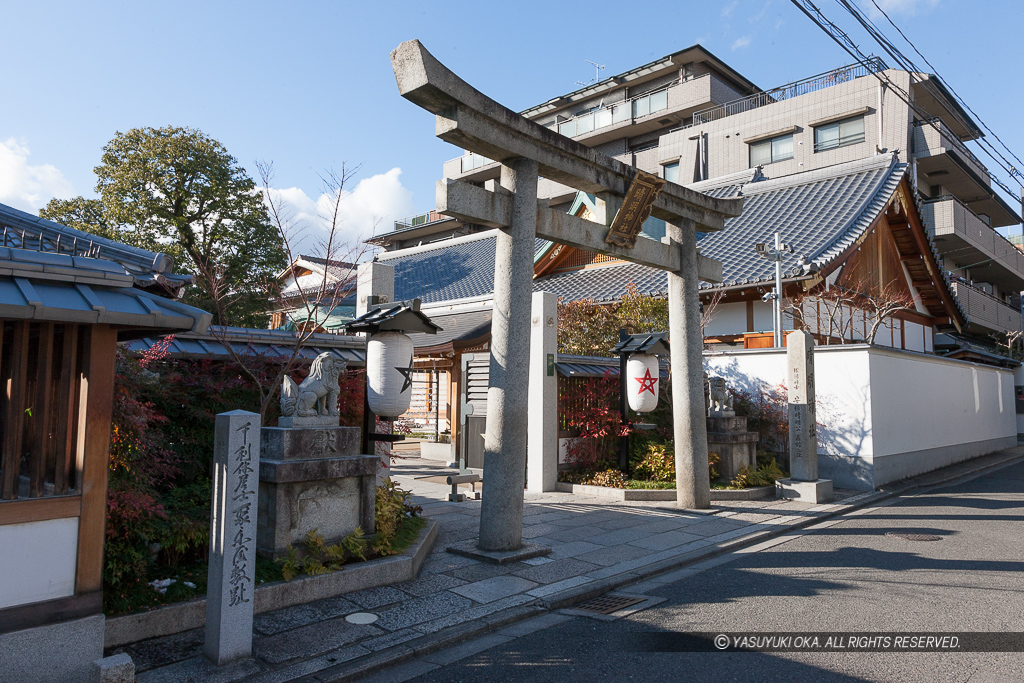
914 537
607 604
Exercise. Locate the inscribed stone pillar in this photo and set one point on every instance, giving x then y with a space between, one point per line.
542 447
229 589
693 484
501 511
374 279
803 436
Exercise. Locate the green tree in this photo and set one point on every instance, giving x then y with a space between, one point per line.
179 191
587 328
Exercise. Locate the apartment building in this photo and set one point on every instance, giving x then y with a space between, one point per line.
692 119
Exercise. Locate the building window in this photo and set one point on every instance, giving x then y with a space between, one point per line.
671 172
772 150
839 134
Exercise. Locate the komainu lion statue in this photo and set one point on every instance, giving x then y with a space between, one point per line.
719 398
318 393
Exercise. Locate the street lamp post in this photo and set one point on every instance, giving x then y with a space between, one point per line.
775 254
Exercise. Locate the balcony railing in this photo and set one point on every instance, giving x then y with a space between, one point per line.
934 134
419 219
471 162
972 222
986 310
790 90
617 112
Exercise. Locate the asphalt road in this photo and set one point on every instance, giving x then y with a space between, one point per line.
845 575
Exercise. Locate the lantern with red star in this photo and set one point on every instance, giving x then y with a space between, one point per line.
642 382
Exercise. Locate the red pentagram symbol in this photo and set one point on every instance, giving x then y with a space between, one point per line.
647 382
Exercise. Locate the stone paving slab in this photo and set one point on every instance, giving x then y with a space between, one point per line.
494 588
597 545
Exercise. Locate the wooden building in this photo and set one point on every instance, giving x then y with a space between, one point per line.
66 299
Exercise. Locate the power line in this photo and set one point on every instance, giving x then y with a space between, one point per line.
847 44
950 88
908 65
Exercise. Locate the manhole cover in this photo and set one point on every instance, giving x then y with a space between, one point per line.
914 537
361 618
606 604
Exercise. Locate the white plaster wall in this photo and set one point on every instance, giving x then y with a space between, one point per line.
886 414
924 402
37 561
842 387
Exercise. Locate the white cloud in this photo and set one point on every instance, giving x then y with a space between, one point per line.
728 9
904 7
375 201
28 187
741 42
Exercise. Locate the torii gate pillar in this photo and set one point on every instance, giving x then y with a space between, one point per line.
690 437
508 398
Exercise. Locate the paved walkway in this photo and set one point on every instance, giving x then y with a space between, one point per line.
596 546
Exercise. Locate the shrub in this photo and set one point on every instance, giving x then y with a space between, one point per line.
320 558
390 510
656 463
765 475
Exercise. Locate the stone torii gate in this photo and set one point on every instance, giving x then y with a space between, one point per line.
469 119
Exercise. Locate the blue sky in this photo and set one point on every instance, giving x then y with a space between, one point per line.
308 85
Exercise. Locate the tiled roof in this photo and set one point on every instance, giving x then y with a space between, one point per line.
604 283
451 269
455 327
50 272
32 233
819 213
266 343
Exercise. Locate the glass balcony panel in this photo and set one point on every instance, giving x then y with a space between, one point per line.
603 118
584 124
659 101
641 107
568 128
620 112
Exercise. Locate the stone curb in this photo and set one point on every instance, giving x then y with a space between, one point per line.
184 616
460 632
612 493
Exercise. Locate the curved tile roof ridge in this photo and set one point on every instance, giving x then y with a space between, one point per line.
133 258
879 161
440 244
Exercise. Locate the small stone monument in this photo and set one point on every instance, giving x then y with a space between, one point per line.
229 589
727 434
803 483
311 473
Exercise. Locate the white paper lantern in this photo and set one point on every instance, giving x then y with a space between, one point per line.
642 378
389 373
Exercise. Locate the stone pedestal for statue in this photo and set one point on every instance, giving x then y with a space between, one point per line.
313 478
312 475
736 447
